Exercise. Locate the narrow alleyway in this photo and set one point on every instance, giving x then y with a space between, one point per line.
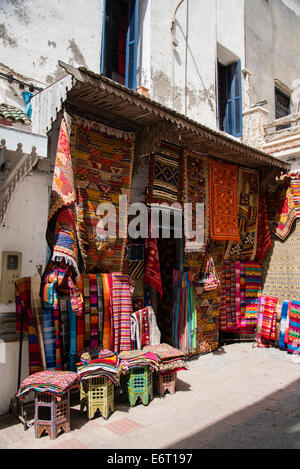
237 397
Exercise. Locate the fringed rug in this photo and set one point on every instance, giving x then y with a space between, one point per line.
248 193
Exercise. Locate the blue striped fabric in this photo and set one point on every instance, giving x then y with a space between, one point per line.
72 328
49 335
284 311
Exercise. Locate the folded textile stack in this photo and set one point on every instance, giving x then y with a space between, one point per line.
96 363
137 358
52 382
170 358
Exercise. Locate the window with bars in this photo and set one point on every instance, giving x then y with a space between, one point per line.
230 98
119 41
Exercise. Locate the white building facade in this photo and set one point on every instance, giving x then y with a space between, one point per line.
219 62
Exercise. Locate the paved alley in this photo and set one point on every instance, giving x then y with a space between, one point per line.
237 397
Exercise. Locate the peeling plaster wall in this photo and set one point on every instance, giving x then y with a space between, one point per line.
183 77
35 34
272 48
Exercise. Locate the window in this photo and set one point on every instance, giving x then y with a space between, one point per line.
230 98
119 41
282 107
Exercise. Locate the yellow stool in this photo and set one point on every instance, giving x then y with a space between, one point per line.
97 394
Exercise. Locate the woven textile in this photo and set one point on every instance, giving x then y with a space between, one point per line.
149 333
286 213
281 267
195 192
24 309
136 358
61 234
242 286
73 342
223 204
268 326
105 364
264 240
122 290
170 358
293 343
295 186
165 182
49 335
252 290
134 260
283 323
152 275
52 382
107 321
100 308
207 333
248 195
102 166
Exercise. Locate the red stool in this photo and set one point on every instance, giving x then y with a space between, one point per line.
165 382
52 414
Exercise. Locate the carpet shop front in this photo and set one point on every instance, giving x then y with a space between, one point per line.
138 304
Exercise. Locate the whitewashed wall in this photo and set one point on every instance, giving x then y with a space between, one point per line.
23 231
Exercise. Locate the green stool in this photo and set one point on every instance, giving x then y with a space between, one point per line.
96 394
138 383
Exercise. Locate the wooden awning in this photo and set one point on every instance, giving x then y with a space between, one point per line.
101 99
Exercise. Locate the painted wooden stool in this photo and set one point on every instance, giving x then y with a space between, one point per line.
97 394
165 382
138 383
52 414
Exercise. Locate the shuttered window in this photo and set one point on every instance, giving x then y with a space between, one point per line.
119 41
230 98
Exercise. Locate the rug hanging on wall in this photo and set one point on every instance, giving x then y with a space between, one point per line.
61 233
195 192
207 332
248 195
223 204
165 181
102 166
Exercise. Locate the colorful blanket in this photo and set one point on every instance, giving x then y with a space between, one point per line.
135 358
293 342
52 382
105 364
122 290
242 285
223 203
24 309
248 194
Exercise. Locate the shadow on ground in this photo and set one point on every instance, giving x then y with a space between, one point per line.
275 423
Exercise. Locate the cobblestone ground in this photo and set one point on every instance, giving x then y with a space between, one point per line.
237 397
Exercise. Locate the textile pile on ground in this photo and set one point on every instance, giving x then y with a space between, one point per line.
137 358
170 358
52 382
96 363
